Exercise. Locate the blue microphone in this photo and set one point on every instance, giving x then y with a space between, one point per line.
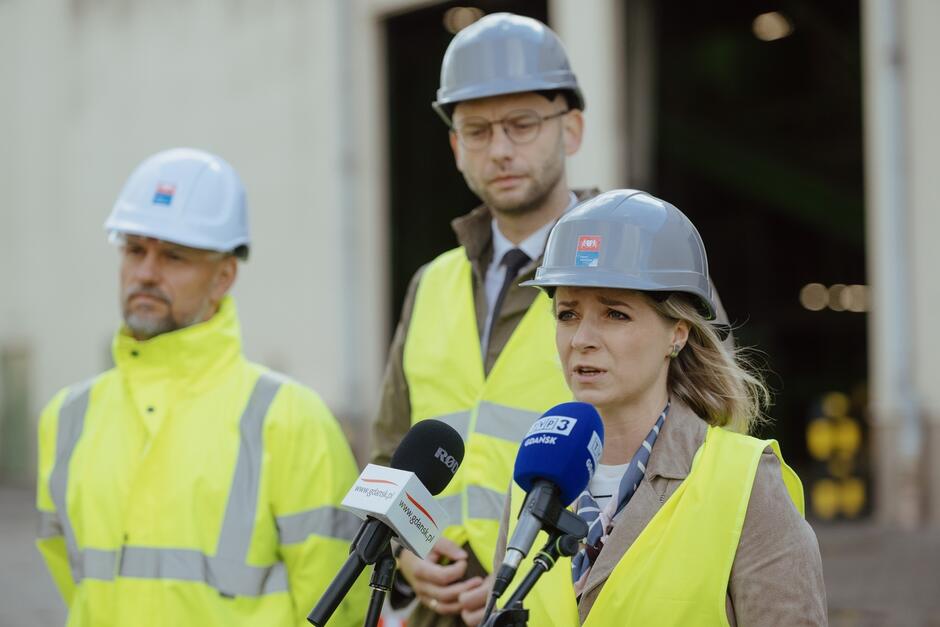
556 460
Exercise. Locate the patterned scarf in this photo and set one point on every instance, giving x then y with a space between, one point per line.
600 522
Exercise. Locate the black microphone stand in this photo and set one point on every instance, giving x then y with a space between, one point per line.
545 506
513 614
383 576
368 547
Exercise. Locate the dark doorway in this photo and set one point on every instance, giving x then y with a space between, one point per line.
427 191
759 141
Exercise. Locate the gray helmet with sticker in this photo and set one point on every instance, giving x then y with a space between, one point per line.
627 239
501 54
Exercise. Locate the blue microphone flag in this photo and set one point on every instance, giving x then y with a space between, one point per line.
563 447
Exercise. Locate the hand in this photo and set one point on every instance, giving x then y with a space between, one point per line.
436 586
474 602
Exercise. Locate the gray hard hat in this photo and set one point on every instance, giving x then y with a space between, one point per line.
627 239
501 54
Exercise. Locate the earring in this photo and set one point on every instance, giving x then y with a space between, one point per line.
675 351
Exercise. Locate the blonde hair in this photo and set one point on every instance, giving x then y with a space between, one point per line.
718 382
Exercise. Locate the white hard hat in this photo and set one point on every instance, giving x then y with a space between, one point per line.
185 196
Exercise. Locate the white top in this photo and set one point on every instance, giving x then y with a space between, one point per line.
533 246
605 484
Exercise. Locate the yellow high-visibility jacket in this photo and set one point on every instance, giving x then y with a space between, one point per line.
676 572
187 486
446 380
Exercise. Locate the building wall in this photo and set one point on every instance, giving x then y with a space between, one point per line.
923 155
587 28
290 92
96 86
902 155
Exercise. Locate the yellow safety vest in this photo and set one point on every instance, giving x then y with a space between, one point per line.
187 486
444 368
677 570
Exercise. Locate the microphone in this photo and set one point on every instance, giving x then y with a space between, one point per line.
426 436
556 460
397 501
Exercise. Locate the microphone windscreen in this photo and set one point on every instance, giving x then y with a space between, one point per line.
563 447
433 450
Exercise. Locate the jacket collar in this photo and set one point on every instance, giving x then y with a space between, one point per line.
473 231
682 435
193 352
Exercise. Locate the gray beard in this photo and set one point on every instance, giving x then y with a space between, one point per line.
144 328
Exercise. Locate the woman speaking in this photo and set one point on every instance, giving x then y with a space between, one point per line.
691 521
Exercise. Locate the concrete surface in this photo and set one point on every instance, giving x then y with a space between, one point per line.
28 598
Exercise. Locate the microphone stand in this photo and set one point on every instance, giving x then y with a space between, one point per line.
544 505
383 576
513 614
368 547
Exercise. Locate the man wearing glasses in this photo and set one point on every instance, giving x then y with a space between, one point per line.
473 348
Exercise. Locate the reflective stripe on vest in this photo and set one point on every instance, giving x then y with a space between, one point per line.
69 429
498 421
49 525
181 564
677 570
227 570
326 520
482 503
444 369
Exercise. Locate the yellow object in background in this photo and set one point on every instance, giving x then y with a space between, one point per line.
835 439
819 439
852 496
840 467
839 437
835 404
824 497
848 436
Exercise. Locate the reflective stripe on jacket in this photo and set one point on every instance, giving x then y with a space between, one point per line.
677 570
445 374
187 486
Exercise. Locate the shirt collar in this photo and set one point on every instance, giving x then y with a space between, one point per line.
534 245
474 231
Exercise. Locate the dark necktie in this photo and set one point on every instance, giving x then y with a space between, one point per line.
514 260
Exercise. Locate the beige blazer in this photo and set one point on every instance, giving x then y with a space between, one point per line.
777 576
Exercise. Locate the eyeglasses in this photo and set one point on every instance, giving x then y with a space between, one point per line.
521 127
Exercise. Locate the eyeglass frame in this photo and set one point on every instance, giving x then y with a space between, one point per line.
502 122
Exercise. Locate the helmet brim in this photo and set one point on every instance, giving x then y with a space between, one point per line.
599 278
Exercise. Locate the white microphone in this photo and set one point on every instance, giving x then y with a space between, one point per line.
398 500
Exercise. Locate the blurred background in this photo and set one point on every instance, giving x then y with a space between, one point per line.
801 137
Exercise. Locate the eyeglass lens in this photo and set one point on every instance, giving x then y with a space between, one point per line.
520 126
